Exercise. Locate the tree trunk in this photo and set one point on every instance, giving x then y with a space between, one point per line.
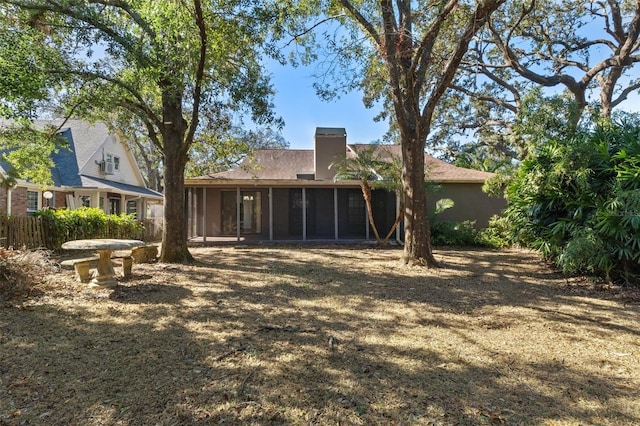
417 235
366 193
607 87
174 233
395 225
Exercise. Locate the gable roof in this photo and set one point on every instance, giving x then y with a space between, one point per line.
84 140
288 164
269 164
436 169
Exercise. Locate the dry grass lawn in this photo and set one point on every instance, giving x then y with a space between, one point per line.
243 337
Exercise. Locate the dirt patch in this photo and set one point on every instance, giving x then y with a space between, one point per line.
324 335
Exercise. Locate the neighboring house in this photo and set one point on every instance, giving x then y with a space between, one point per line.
285 194
95 170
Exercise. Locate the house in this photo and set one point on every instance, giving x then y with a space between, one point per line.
95 170
288 194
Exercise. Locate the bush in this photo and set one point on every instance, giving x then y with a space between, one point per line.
577 201
21 271
457 234
65 225
497 234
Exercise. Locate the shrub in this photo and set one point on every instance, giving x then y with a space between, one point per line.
65 225
22 270
578 201
496 235
457 234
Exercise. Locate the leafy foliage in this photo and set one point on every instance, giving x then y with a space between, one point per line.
173 68
496 235
577 201
366 166
454 234
65 225
28 151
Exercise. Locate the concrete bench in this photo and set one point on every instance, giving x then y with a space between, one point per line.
144 254
82 266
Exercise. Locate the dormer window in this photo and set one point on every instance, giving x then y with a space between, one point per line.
116 163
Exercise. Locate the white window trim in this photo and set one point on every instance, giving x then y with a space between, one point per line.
38 201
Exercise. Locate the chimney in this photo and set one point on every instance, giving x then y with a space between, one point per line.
331 146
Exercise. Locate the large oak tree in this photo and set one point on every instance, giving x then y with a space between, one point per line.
160 62
416 48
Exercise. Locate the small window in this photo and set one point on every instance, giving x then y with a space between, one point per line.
116 163
132 207
109 158
85 200
33 198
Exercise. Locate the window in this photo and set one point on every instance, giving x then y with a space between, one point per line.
33 198
85 200
116 163
132 207
109 158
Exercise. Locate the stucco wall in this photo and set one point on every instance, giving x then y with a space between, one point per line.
126 174
470 203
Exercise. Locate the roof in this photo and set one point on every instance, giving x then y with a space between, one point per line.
287 164
437 170
84 140
269 164
99 183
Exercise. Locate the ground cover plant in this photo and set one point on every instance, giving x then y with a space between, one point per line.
324 335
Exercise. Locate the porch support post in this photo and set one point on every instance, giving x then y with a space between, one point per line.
304 214
238 206
189 212
204 214
194 210
335 213
270 214
397 213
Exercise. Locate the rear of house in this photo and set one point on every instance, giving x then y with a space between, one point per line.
285 194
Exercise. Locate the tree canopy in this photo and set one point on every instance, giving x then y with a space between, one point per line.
160 63
404 54
584 54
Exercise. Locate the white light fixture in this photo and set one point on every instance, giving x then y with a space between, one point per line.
47 194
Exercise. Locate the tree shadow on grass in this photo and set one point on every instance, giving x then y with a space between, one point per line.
149 293
243 339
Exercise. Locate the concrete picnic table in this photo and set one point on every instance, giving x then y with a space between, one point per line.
104 246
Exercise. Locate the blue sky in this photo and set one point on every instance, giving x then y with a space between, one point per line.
296 102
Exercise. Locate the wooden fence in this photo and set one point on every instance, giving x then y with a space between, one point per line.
21 232
30 232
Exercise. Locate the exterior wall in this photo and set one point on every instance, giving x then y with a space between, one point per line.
3 200
328 148
59 199
470 203
115 148
19 202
